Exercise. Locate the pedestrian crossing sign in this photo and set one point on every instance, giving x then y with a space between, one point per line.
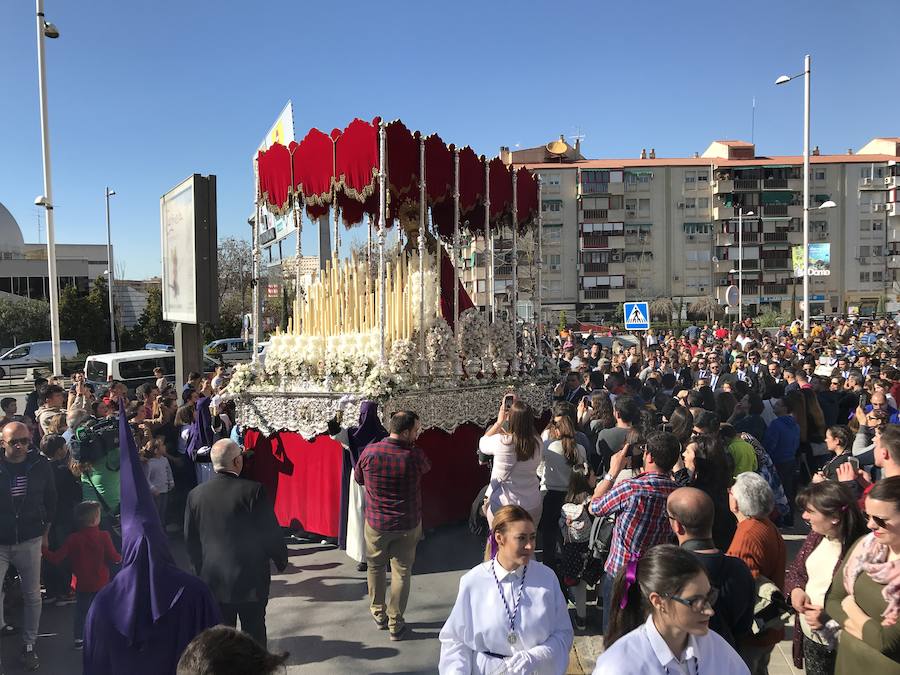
637 316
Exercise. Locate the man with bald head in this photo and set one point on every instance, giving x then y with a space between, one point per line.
27 504
691 513
231 534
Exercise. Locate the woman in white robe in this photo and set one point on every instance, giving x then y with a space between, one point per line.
510 615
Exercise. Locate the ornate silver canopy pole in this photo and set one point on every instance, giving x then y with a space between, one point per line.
515 248
422 364
456 242
256 275
489 241
538 318
382 217
297 216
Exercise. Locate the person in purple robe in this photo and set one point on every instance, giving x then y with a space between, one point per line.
142 621
354 439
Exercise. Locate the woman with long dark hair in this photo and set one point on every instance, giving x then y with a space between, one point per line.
516 448
836 521
706 468
510 615
662 604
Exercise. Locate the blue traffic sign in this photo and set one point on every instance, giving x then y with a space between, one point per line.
637 316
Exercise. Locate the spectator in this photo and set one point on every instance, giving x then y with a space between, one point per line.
759 544
561 455
391 471
864 599
836 522
484 633
627 414
692 515
231 534
222 650
752 421
681 424
161 381
639 505
661 624
515 446
58 581
782 441
32 401
8 409
569 389
90 552
53 401
743 457
27 505
706 469
159 474
838 440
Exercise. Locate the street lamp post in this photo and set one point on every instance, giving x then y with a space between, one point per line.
741 262
782 80
45 29
110 275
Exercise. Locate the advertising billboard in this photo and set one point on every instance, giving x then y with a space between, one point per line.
819 260
188 231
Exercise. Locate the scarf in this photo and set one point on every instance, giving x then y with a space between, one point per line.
872 558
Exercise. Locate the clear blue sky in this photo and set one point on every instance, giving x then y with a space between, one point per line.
143 94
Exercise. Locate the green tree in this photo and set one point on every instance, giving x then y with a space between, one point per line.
150 326
23 320
85 318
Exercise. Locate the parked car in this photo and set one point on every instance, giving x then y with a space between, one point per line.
33 354
229 350
134 368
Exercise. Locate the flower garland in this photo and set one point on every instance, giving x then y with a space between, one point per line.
440 349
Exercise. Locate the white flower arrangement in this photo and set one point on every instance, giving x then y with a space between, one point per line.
379 383
501 344
440 349
431 296
244 376
473 333
403 357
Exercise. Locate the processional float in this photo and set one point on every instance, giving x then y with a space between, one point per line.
396 325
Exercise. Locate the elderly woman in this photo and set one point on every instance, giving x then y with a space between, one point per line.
759 544
864 598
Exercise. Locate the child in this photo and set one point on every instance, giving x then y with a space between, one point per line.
58 580
89 552
576 527
159 474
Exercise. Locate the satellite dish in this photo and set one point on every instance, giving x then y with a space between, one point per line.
715 259
558 147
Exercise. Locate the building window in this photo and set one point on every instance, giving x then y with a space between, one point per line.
877 226
554 205
550 179
818 174
877 276
482 285
864 277
644 207
552 262
552 233
865 225
703 177
690 203
703 202
864 251
876 250
631 205
690 177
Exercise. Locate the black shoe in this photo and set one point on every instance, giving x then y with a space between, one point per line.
580 622
29 658
382 624
362 567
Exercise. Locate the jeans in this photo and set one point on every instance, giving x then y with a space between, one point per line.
606 593
82 605
400 548
26 556
253 618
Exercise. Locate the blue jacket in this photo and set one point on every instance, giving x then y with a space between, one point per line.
782 439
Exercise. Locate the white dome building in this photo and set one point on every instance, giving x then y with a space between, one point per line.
12 244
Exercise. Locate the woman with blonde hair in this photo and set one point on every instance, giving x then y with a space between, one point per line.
510 615
515 446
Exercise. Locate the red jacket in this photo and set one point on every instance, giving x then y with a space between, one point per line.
89 551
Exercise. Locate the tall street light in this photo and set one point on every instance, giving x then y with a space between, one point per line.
741 215
110 275
45 29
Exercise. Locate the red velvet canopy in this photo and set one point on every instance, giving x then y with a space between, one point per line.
343 166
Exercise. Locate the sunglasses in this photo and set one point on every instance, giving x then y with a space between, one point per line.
700 603
879 521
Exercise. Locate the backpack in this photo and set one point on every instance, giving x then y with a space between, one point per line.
599 544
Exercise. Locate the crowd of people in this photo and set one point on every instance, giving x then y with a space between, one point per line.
669 469
91 487
662 483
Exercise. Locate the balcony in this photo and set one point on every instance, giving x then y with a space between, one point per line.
893 262
724 213
637 186
724 186
594 189
875 183
746 185
892 209
775 236
638 241
613 268
594 215
602 241
774 289
781 211
605 293
776 263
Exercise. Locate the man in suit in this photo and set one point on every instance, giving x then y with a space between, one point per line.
231 534
742 373
717 378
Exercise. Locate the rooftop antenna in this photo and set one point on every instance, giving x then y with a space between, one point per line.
38 214
578 136
753 122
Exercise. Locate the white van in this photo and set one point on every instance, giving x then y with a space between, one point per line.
33 354
229 350
133 368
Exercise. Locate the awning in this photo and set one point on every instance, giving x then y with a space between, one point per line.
777 197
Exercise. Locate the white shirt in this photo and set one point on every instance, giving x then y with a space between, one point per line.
555 471
643 650
478 623
518 481
159 474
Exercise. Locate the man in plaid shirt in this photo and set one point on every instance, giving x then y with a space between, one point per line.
639 505
391 471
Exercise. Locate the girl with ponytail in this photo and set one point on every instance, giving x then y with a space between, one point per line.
661 607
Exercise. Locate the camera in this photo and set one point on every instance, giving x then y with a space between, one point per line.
95 439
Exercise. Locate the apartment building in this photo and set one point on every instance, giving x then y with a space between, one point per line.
620 229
